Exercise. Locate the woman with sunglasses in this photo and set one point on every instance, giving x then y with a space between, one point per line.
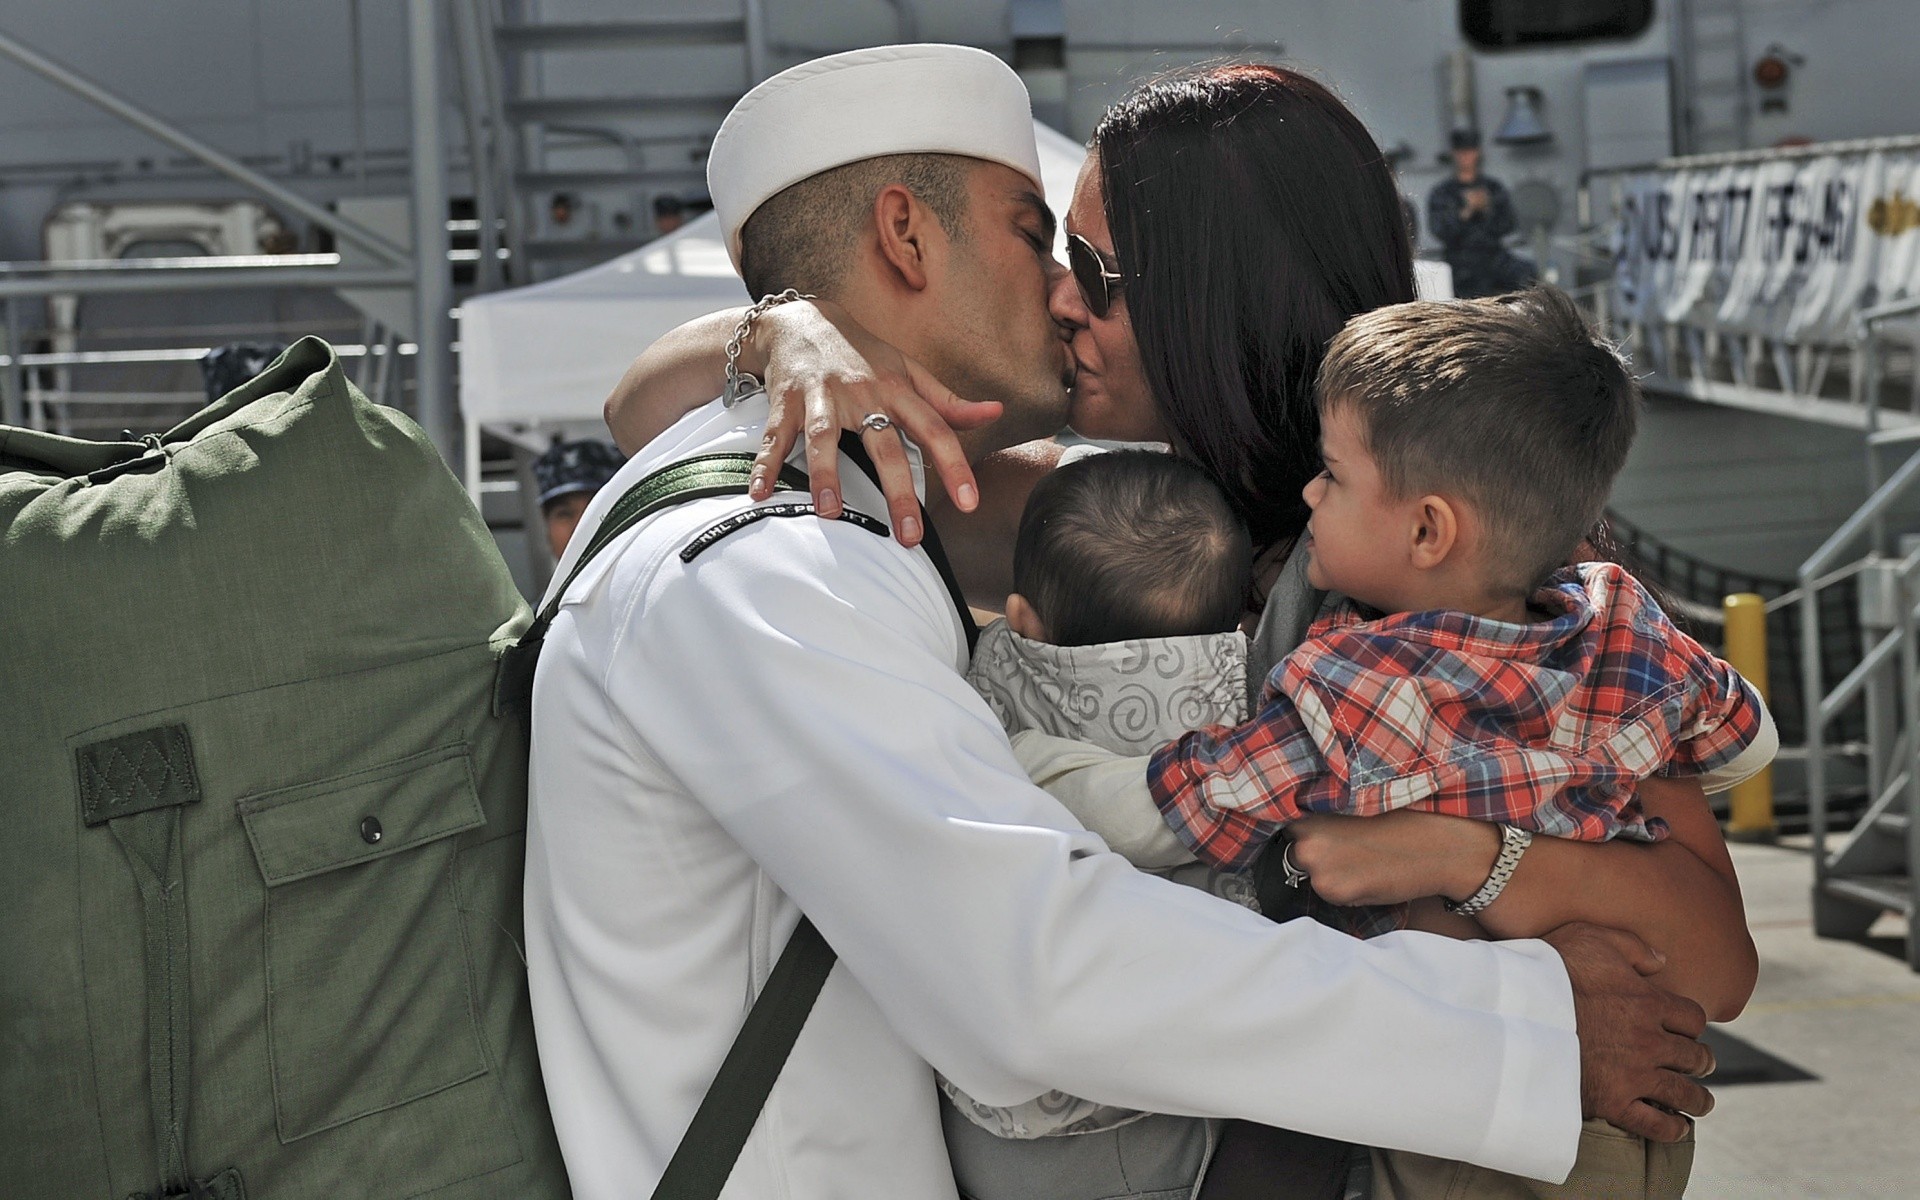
1227 223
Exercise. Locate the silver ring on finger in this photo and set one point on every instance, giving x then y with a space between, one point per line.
876 422
1294 875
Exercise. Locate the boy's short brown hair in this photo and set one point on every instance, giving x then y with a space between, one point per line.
1513 403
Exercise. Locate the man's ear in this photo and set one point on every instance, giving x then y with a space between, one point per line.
906 229
1436 531
1023 620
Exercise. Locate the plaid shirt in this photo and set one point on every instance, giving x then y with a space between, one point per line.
1547 726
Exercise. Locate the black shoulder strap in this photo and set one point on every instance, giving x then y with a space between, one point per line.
676 483
732 1105
727 1114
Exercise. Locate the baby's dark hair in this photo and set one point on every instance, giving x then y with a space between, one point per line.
1512 402
1130 544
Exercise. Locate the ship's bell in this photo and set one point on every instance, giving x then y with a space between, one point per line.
1523 125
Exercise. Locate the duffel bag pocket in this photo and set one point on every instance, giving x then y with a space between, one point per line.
365 959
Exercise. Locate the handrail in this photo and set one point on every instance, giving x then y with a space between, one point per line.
213 280
1727 158
185 262
1876 505
233 168
1822 709
167 354
1867 318
1788 599
1844 691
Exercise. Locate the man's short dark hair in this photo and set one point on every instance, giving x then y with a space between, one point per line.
804 236
1513 403
1131 544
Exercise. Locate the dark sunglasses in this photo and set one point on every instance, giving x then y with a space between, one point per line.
1098 286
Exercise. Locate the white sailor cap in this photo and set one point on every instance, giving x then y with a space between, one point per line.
915 99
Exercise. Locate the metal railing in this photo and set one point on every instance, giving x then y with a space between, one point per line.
1819 376
1694 592
82 413
421 268
1874 868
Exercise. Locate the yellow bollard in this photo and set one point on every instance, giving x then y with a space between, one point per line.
1750 816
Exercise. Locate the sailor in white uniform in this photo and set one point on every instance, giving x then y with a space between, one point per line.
777 724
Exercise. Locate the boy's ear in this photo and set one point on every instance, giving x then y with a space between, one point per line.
904 225
1023 620
1436 531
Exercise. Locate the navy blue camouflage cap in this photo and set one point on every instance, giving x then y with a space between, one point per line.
582 466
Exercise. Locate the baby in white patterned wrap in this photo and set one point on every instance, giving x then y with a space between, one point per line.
1132 572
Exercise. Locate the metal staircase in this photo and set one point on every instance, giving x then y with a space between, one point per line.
1873 868
580 122
1710 55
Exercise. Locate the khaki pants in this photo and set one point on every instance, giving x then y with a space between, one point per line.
1612 1165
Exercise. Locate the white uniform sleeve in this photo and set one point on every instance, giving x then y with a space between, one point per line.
1106 793
800 679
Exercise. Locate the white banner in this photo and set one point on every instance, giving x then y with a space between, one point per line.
1787 247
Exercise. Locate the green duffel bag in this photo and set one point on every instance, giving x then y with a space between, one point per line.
264 835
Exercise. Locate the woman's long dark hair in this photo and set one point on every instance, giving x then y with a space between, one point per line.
1252 214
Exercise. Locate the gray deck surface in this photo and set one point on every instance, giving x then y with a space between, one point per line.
1845 1013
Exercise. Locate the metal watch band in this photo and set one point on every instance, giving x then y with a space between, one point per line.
1513 843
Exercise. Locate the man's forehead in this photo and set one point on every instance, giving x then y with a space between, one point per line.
1012 189
1002 180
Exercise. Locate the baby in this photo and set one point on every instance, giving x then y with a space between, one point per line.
1458 667
1132 571
1468 448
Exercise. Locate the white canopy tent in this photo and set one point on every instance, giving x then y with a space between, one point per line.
540 360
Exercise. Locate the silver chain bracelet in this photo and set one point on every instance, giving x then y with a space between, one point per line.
740 385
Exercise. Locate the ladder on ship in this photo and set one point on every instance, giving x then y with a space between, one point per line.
1710 58
578 124
1873 868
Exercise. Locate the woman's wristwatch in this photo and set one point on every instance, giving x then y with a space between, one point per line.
1513 843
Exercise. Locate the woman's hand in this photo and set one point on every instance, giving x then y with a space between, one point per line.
825 372
1394 857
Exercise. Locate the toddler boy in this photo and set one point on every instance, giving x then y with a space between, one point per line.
1131 571
1469 447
